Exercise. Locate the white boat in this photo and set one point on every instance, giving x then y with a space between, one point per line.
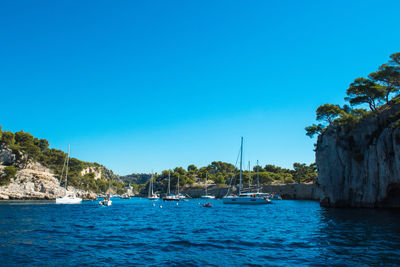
152 195
207 196
68 200
249 198
71 198
169 196
106 201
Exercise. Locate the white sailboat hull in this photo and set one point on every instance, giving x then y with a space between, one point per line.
171 198
246 200
68 200
207 197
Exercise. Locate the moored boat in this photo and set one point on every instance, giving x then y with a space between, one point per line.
67 199
207 196
169 196
249 198
152 195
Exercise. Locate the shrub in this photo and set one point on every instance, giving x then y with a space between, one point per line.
8 173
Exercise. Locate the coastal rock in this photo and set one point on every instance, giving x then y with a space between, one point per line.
97 171
6 156
37 182
305 191
360 166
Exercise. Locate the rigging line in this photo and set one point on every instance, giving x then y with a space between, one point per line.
233 175
62 172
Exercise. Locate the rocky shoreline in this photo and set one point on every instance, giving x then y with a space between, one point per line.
306 191
35 182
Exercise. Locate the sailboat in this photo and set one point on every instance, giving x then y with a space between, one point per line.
67 199
152 195
249 198
206 196
169 196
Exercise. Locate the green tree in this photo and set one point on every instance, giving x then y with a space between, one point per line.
304 173
314 129
180 170
8 138
365 91
328 112
395 59
219 179
23 139
389 77
192 168
275 169
8 173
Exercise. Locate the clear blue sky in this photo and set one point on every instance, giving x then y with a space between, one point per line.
143 85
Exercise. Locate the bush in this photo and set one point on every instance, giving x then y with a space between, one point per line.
8 173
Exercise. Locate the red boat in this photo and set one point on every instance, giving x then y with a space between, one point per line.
207 205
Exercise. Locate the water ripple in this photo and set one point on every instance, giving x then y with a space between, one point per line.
133 232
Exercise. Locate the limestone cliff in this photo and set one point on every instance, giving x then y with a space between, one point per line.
33 180
359 166
37 182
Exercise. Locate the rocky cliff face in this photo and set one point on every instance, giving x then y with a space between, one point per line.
360 166
33 181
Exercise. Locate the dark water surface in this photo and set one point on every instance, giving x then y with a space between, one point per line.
134 232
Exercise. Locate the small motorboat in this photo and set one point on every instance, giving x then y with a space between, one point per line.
207 205
106 201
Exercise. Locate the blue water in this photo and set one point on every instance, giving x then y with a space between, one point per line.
136 233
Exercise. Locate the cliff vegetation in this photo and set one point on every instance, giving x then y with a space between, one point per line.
357 151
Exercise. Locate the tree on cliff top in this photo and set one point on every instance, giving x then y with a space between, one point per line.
389 77
365 91
374 90
328 112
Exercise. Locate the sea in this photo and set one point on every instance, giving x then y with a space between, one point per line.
140 232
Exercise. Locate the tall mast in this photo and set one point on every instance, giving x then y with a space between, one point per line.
152 184
249 176
150 189
206 183
258 178
169 182
178 184
241 158
66 174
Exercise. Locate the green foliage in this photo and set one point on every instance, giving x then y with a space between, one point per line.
275 169
388 75
192 168
314 129
219 178
304 173
23 139
365 91
8 138
38 150
9 172
371 91
328 112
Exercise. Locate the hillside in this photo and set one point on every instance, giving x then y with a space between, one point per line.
30 169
